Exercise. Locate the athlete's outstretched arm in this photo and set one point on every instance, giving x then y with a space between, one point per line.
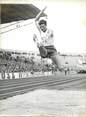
38 17
39 14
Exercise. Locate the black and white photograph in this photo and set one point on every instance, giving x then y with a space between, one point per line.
43 58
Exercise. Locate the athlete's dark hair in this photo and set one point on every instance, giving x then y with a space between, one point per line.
42 22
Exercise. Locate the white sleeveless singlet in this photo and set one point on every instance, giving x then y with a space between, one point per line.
47 37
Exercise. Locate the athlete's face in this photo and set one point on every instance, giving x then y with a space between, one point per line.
43 27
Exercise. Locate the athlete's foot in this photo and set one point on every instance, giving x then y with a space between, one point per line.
63 70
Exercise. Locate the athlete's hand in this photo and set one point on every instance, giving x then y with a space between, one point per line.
36 40
39 44
35 37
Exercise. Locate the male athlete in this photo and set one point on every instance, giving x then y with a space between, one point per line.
46 46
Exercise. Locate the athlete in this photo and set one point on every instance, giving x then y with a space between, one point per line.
47 41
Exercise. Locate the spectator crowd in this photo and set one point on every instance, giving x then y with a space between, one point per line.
11 65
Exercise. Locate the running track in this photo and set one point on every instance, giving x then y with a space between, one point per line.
14 87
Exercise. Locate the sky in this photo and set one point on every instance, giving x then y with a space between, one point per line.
66 19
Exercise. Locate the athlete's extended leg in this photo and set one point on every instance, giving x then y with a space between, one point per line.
56 59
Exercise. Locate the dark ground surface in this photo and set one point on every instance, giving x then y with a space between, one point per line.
13 87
